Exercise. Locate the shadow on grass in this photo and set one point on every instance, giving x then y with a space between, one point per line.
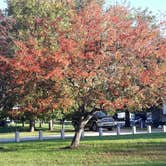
107 148
3 149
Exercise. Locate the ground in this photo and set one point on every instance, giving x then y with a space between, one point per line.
142 149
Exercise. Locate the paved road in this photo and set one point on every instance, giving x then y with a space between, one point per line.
86 133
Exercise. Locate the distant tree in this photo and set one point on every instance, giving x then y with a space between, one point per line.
35 34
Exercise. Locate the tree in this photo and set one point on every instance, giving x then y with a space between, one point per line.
102 60
36 22
6 79
115 61
38 89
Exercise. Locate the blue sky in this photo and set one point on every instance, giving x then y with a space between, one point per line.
2 4
154 5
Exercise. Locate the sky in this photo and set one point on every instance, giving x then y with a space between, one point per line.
154 5
2 4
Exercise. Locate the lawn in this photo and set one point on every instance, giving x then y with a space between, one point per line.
145 149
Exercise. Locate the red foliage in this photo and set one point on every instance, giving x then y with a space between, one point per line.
102 52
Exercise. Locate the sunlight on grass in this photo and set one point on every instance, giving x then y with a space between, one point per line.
145 149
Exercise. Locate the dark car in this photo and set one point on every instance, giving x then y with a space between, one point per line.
3 123
140 119
99 119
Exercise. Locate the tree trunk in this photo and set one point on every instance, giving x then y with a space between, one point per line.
76 139
78 131
127 118
23 124
32 125
51 125
40 124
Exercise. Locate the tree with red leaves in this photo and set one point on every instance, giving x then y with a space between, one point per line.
103 60
116 59
36 58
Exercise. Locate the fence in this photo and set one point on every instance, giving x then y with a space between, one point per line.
101 132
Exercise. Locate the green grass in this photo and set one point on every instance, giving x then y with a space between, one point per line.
144 149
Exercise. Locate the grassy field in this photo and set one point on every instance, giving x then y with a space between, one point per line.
146 149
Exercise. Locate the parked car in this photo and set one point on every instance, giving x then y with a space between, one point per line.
120 118
2 123
136 122
5 122
158 115
100 119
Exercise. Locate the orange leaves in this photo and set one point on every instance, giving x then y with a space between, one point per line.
61 59
118 55
94 51
20 45
20 79
25 58
32 60
161 49
105 104
4 60
114 19
65 103
119 103
45 102
67 44
27 64
56 73
145 77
